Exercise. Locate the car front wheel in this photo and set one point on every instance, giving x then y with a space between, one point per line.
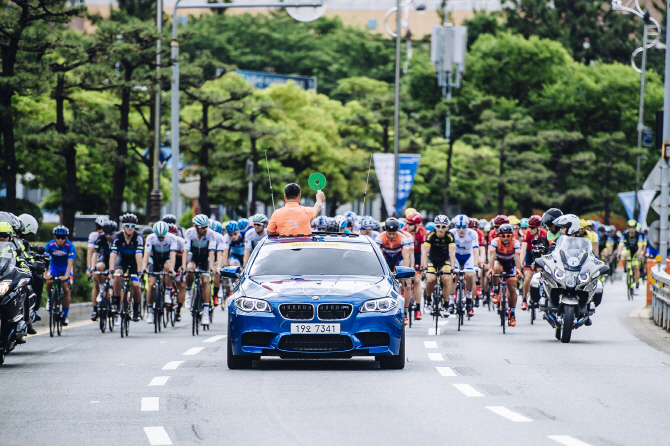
395 362
236 362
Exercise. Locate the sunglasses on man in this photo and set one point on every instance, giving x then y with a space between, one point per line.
109 233
6 235
441 226
461 227
60 237
128 225
506 236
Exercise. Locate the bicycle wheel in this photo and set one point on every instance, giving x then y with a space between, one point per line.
195 311
629 283
156 306
437 298
459 307
59 319
102 315
410 311
127 318
532 311
144 307
52 315
503 306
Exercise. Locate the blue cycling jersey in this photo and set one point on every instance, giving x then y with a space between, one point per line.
60 254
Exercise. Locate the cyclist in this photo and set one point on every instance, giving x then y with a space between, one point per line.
171 219
467 258
481 240
585 232
397 250
92 238
217 227
497 222
368 225
533 234
179 262
418 234
201 243
260 221
514 221
505 255
319 224
233 245
635 244
352 225
244 225
102 250
438 253
127 249
341 222
161 250
62 254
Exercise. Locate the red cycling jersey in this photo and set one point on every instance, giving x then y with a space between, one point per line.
528 237
419 238
482 238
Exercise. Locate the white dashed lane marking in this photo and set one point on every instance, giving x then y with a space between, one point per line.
430 344
567 440
445 371
435 356
159 381
193 351
467 390
149 404
509 414
215 338
157 436
172 365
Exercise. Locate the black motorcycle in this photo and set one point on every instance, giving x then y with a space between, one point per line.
13 293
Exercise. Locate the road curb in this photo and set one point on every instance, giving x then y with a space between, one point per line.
78 312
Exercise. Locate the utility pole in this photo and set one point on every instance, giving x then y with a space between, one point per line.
396 111
155 211
665 178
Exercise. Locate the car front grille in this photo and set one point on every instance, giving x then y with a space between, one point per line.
315 343
377 339
257 338
332 312
297 312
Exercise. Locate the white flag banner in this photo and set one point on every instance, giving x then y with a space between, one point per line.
385 168
644 198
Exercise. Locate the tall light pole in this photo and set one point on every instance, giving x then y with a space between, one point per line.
174 91
155 201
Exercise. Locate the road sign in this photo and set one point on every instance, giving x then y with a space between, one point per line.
656 205
653 181
190 187
653 235
307 14
647 137
260 79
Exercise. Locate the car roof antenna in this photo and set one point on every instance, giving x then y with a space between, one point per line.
366 183
271 191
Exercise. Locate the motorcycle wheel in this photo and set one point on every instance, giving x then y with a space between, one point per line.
568 322
557 333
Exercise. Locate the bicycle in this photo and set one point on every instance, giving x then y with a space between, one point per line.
126 312
503 303
160 315
630 281
197 304
486 290
144 307
460 297
104 304
437 298
413 306
56 308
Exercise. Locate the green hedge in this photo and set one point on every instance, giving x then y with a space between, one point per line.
82 287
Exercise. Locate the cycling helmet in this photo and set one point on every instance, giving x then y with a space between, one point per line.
378 226
473 224
61 230
513 220
129 218
631 223
332 226
200 220
341 221
173 228
523 222
215 226
100 220
500 220
506 228
638 227
488 227
596 224
460 221
110 226
430 226
549 216
10 218
368 223
582 223
260 218
392 225
243 223
29 224
6 229
170 219
409 211
570 222
401 223
350 216
414 217
231 226
483 223
320 222
442 219
160 228
534 221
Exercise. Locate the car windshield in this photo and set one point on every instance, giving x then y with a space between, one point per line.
316 258
573 246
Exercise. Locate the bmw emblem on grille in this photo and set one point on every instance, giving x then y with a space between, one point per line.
315 297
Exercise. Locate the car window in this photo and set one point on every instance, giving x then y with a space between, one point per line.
316 258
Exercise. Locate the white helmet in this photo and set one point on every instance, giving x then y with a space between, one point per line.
570 222
29 223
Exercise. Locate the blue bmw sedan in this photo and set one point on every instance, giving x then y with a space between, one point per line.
321 296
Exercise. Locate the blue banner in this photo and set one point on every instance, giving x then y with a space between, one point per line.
407 167
260 79
628 201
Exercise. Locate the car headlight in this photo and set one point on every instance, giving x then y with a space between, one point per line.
559 274
584 277
383 305
4 287
250 305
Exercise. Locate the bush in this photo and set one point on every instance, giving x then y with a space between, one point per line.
185 219
82 287
45 232
24 206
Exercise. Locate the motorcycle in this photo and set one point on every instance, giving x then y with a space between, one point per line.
569 283
13 293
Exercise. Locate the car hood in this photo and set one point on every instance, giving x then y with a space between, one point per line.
307 287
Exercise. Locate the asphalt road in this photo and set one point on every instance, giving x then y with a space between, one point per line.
474 387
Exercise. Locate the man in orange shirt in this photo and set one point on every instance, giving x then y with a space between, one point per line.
294 219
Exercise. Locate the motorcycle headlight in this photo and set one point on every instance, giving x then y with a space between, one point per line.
4 287
251 305
559 274
23 282
583 277
382 305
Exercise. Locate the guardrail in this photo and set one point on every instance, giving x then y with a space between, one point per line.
660 298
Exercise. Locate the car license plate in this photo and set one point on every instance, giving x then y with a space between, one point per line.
315 328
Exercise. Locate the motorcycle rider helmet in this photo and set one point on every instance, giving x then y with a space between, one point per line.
10 218
414 218
506 228
200 221
6 230
523 222
549 216
110 227
242 223
61 230
569 222
100 220
442 219
430 226
392 225
535 221
231 226
500 220
170 219
460 221
160 228
129 218
29 224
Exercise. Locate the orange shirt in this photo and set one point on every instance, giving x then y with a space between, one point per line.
292 219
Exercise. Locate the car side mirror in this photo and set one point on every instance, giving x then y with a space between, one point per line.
539 262
604 269
41 250
403 272
231 272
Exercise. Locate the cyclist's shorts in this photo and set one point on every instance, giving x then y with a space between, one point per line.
178 262
201 263
465 261
635 261
102 258
438 266
55 271
508 266
235 258
129 265
152 269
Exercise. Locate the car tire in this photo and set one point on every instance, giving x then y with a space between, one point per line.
395 362
237 362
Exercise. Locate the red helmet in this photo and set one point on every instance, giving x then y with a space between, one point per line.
414 217
535 221
501 220
473 224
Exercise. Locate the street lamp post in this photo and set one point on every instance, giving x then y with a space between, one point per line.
174 91
155 201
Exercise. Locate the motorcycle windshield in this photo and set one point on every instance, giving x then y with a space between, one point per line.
7 257
574 250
